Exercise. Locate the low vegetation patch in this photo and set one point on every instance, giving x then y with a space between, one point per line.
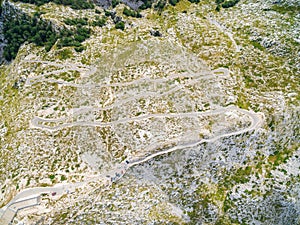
132 13
74 4
146 4
173 2
76 21
100 22
226 3
120 25
160 5
194 1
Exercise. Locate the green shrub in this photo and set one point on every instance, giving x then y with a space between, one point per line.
230 3
74 4
114 3
76 21
132 13
65 54
160 5
107 13
80 48
173 2
100 22
120 25
146 4
194 1
62 178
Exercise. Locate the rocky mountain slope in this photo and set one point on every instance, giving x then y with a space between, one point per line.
215 88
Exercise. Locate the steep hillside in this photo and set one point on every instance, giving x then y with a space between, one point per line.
169 112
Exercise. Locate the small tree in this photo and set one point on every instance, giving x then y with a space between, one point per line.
114 3
120 25
173 2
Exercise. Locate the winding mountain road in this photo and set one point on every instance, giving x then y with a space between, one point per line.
30 196
116 173
223 29
36 121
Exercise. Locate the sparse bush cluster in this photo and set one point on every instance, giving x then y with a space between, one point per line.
100 22
194 1
230 3
74 4
120 25
114 3
146 4
160 5
74 38
76 21
84 21
173 2
225 3
155 33
132 13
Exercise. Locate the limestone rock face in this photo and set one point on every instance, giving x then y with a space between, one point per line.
185 115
